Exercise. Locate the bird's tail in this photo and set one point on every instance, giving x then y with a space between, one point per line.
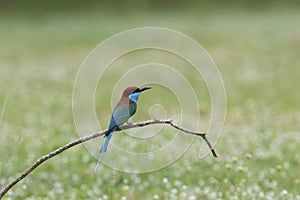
103 149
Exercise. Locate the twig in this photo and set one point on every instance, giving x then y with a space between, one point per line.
94 135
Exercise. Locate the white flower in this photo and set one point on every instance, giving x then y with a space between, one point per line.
123 198
192 197
174 191
284 192
165 180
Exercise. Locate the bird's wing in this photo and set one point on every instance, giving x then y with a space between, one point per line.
120 116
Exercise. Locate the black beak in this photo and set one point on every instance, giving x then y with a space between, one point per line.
145 88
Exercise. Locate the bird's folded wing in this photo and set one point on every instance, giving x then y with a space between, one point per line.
120 116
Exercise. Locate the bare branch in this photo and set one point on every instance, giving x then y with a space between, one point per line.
97 134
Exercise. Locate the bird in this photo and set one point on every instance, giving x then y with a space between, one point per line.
125 108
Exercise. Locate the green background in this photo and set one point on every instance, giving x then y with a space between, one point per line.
255 46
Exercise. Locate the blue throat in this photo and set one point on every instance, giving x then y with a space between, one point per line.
135 96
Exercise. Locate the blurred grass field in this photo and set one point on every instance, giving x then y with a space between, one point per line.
257 53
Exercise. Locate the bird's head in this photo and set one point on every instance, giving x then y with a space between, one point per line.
133 93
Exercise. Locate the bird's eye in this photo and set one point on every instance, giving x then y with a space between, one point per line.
136 90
